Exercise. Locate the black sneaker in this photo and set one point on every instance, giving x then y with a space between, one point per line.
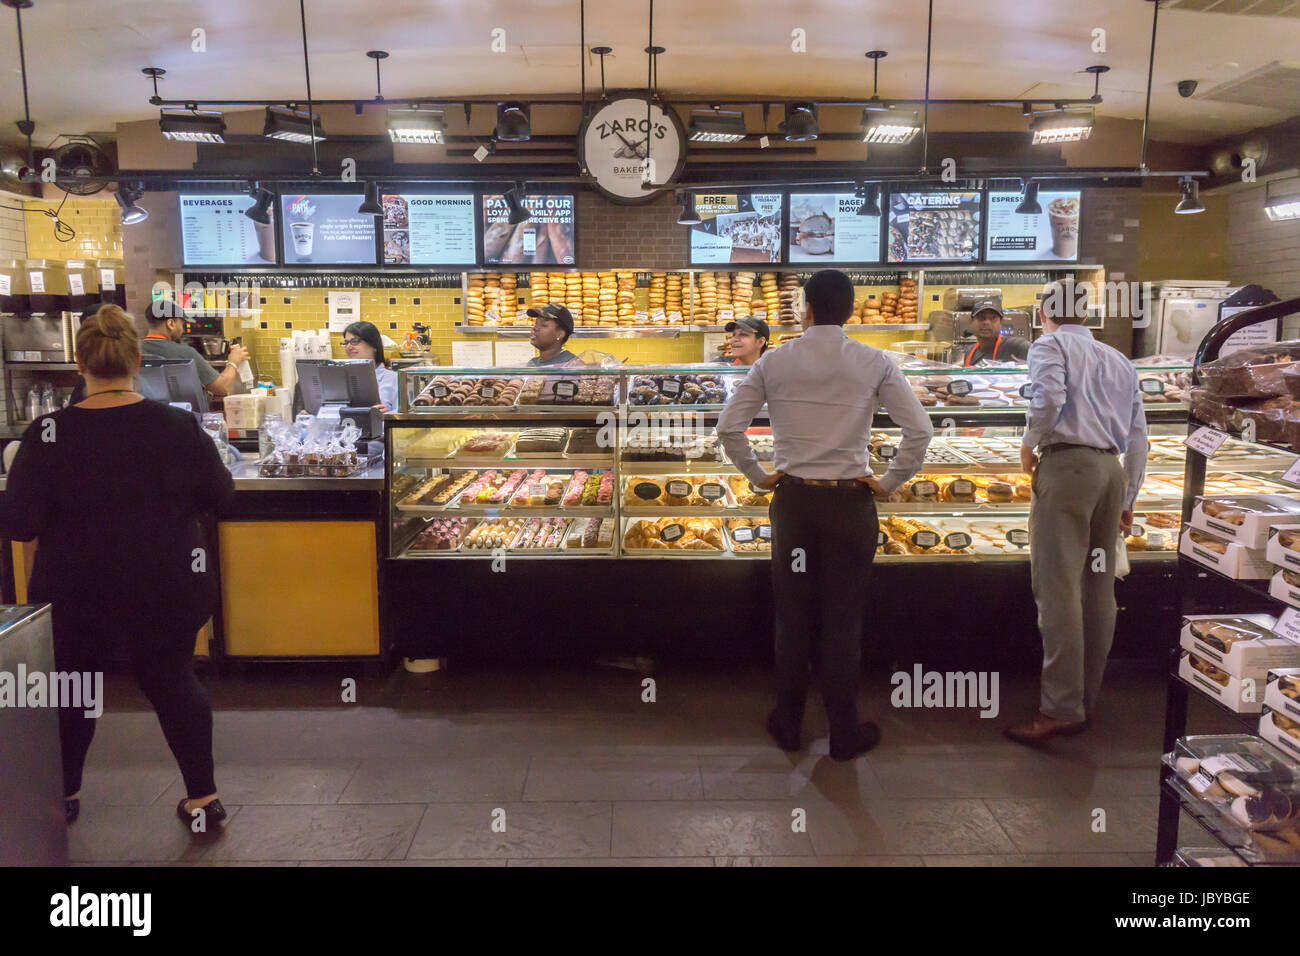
214 811
867 736
786 739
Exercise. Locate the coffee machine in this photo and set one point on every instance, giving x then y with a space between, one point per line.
205 335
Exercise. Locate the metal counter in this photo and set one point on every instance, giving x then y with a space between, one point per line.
247 479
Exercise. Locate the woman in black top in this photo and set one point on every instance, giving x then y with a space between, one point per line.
112 488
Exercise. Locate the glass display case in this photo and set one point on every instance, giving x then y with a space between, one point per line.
623 462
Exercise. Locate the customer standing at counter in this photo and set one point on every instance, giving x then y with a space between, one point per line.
361 340
749 338
822 391
1085 412
551 330
166 326
112 489
990 344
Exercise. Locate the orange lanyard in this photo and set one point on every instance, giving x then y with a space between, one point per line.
971 354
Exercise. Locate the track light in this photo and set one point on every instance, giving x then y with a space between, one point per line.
513 124
370 205
416 126
517 212
717 126
800 124
688 216
194 126
127 196
1066 126
261 210
1282 199
870 200
887 129
292 126
1029 200
1191 201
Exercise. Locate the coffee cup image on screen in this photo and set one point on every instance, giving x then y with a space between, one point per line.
1063 215
1051 235
327 229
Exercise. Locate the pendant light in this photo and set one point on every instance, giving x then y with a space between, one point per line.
370 205
1029 200
1191 201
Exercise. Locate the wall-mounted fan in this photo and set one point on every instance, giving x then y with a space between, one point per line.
82 165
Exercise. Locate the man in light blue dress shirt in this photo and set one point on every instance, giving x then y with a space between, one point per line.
822 391
1085 412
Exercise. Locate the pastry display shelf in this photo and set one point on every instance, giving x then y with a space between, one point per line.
1234 838
1249 722
1257 586
699 511
557 463
499 510
690 467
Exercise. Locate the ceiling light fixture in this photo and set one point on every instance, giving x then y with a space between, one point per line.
513 123
888 130
1282 199
195 126
800 125
1063 126
292 126
717 126
1029 200
1191 201
517 212
370 204
425 127
688 216
261 210
127 196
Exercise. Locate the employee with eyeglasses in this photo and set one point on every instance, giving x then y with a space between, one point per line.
361 340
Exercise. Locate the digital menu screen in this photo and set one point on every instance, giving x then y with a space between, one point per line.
326 229
934 226
1049 236
736 227
422 229
215 232
826 227
545 239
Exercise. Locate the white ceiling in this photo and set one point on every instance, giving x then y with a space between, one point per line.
84 56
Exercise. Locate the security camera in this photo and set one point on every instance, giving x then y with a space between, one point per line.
1186 88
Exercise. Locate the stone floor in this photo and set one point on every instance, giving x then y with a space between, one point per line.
581 771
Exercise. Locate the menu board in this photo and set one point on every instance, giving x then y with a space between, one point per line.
1049 236
826 227
545 239
736 227
425 230
934 226
326 229
215 232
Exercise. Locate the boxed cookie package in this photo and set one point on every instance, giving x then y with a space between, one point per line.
1244 519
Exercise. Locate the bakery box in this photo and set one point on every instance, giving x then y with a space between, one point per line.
1244 519
1230 691
1226 557
1282 692
1283 548
1280 731
1240 644
1285 586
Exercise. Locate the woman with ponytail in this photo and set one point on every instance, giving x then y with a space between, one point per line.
112 489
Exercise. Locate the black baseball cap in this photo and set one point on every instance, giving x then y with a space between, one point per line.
986 305
751 322
160 310
556 313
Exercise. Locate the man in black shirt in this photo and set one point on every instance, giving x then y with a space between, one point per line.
990 344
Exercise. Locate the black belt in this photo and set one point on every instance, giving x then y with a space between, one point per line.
824 482
1066 446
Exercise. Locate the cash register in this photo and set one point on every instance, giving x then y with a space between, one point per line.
343 387
173 381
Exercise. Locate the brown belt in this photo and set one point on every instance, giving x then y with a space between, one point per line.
1065 446
824 482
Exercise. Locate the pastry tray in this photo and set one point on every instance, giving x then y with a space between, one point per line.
675 553
680 511
511 547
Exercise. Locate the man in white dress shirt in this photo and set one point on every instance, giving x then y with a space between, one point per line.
822 391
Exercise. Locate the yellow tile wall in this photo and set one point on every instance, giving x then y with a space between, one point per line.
96 222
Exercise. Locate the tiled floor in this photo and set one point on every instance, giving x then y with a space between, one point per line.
543 767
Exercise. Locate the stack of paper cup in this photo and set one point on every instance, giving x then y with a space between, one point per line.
288 370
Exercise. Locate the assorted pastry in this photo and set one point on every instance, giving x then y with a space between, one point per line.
1223 632
677 390
746 494
569 390
652 444
541 534
675 534
469 392
749 535
590 534
441 534
675 491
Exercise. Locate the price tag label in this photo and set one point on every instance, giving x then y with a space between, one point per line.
487 391
712 491
106 281
1288 625
743 535
1138 531
1152 386
725 316
1292 474
755 490
924 489
491 317
925 539
959 386
1027 390
957 540
5 287
76 285
886 452
765 532
1206 440
37 280
440 391
642 318
1019 537
657 316
566 389
671 387
761 314
881 538
961 486
679 489
671 533
675 317
647 490
1156 542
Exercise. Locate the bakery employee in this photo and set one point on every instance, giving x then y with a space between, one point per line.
166 326
552 326
749 338
990 344
361 340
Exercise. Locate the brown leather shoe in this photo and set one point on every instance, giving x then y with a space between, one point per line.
1043 728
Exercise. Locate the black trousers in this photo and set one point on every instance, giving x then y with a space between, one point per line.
823 543
162 662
